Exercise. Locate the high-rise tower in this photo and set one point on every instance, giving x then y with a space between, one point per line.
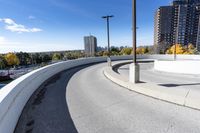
90 44
178 23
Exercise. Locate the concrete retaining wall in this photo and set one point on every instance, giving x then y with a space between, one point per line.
179 66
15 95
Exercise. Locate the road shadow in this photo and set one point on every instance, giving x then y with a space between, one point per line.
47 110
177 85
121 68
141 82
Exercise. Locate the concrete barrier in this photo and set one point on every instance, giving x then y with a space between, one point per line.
14 96
179 66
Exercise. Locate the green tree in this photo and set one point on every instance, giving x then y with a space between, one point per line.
24 58
46 58
2 62
146 50
56 56
115 49
37 58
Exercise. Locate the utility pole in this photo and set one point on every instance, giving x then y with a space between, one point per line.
134 32
108 35
134 69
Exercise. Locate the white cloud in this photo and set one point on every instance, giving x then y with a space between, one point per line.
12 26
31 17
35 30
8 21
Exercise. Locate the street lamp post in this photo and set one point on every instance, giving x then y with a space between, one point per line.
108 34
134 32
134 70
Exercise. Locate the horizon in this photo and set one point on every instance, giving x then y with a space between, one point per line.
58 25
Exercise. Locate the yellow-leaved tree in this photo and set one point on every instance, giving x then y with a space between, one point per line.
126 51
12 59
140 50
190 49
179 49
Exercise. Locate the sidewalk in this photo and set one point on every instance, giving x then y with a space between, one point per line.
179 89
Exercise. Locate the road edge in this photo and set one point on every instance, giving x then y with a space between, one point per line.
186 98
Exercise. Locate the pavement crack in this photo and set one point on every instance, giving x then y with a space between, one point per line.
111 105
186 97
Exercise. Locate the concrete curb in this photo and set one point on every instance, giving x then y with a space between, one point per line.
185 97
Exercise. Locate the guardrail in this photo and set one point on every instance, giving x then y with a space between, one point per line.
14 96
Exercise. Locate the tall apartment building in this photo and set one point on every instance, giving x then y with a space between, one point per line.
178 23
90 43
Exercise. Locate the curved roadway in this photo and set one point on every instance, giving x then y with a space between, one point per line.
87 102
149 75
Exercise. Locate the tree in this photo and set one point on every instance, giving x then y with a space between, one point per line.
146 50
24 58
140 50
68 56
37 59
12 59
126 51
161 48
2 62
56 56
151 50
191 49
179 49
105 53
100 53
115 49
46 58
114 53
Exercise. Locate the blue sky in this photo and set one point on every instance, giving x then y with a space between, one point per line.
46 25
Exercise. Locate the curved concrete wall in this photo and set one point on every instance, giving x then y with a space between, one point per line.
15 95
179 66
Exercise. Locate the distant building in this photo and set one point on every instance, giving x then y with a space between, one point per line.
90 43
178 23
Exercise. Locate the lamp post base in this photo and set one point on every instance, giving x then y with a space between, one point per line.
134 73
109 61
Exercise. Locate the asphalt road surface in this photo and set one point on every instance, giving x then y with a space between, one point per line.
87 102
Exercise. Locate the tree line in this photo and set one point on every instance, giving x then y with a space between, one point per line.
166 48
12 59
24 59
116 51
